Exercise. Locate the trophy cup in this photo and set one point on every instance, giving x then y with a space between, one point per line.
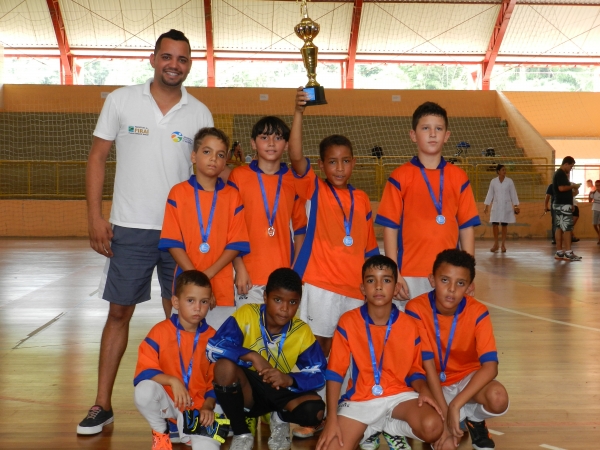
307 30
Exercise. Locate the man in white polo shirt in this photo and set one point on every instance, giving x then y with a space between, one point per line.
153 126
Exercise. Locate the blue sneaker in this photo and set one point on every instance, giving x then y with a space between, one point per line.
173 432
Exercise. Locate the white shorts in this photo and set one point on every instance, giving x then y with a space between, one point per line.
255 295
377 414
470 410
322 309
416 287
218 315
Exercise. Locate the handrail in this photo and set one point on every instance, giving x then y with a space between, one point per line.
31 179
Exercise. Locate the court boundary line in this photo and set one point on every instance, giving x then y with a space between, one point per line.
559 322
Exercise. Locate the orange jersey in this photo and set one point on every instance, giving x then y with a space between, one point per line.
269 253
473 342
181 229
159 353
401 360
406 205
324 261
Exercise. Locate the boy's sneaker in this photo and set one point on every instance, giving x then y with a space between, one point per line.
371 443
280 434
571 257
218 430
242 442
559 255
173 432
307 432
396 442
96 419
480 436
161 441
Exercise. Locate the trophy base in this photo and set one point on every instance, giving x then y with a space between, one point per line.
316 95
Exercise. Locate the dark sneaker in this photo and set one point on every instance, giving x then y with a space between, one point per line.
396 442
571 257
575 239
217 431
480 436
96 419
371 443
173 432
559 255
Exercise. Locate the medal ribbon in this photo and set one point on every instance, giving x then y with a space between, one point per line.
347 222
266 340
270 217
438 203
377 370
443 361
205 233
187 375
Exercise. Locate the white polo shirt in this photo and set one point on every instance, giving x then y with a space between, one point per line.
153 151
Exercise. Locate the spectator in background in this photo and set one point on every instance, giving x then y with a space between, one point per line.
591 190
236 154
377 151
548 208
596 209
505 204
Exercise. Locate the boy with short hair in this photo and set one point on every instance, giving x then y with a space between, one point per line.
427 204
595 197
460 355
267 361
204 226
389 392
268 191
339 234
173 378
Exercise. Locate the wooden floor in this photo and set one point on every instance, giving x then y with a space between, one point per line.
546 316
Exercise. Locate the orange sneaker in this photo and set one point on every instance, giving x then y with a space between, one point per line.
161 441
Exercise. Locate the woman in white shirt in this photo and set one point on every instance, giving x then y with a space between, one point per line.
502 195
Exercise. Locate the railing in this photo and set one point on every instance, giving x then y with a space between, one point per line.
66 179
49 179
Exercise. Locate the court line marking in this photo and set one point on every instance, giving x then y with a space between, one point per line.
497 433
95 292
551 447
560 322
38 330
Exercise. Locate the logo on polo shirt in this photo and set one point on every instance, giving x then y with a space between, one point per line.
177 136
144 131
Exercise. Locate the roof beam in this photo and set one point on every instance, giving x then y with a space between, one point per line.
352 46
210 47
506 9
66 58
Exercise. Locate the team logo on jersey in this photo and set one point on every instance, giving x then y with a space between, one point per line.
177 136
144 131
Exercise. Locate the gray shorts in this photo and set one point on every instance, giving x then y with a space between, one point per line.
563 216
127 276
595 217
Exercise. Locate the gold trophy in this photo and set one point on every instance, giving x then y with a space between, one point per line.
307 30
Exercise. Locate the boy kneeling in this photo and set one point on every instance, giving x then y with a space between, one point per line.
462 361
255 351
173 378
389 392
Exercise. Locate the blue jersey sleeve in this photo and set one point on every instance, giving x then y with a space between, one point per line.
311 364
228 344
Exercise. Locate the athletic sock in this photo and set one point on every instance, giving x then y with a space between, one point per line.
231 399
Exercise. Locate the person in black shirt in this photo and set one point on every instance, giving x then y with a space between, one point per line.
562 205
